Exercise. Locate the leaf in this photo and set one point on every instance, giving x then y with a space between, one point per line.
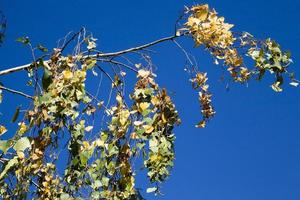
42 48
152 189
201 124
105 181
90 63
4 145
23 40
148 128
46 79
144 105
64 196
17 112
22 128
88 128
9 165
143 73
91 45
2 130
67 74
276 87
124 115
292 83
22 144
201 12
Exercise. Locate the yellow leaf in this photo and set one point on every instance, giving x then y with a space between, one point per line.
148 128
144 105
86 144
22 128
154 100
99 143
124 114
2 130
276 87
201 12
21 155
67 74
163 118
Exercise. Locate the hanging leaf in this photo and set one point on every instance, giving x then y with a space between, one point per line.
16 115
152 189
42 48
46 79
22 144
23 40
9 165
5 145
2 130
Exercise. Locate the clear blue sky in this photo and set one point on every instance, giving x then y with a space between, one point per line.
250 150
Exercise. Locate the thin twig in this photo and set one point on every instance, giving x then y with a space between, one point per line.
118 63
72 38
184 51
137 48
15 92
98 55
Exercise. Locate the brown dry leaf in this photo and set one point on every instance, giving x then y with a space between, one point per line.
201 124
201 11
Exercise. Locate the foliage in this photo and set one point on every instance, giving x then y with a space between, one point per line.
103 159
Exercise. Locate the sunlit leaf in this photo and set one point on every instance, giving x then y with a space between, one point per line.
22 144
8 166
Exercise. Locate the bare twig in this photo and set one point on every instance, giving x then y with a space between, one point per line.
15 92
137 48
118 63
71 39
184 51
98 55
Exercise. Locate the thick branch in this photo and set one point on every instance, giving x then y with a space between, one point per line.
98 55
15 92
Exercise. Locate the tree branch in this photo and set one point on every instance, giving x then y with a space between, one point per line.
15 92
136 48
98 55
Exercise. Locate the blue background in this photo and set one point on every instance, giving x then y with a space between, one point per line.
250 150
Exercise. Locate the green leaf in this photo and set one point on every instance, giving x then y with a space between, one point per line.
47 78
42 48
9 165
22 144
23 40
4 145
64 196
105 181
90 63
